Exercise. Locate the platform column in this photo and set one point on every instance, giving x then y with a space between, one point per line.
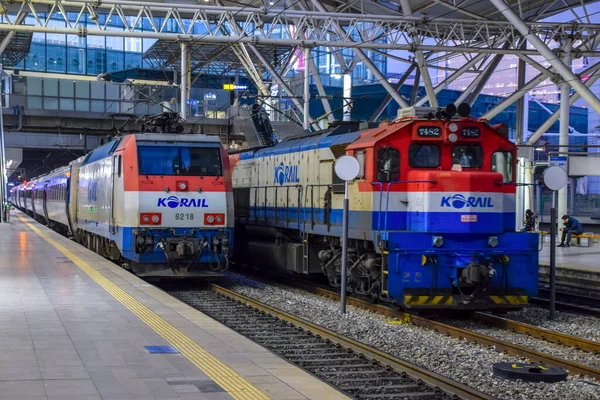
347 96
306 97
565 89
3 187
185 78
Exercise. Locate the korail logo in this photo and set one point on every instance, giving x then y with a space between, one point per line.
174 202
286 174
459 201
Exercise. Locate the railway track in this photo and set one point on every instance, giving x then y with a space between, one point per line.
358 370
499 345
569 301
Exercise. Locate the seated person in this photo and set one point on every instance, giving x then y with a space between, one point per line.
571 226
529 223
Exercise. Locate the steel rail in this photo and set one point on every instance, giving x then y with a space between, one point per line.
445 384
539 333
497 344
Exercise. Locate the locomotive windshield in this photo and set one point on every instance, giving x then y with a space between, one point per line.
467 156
184 161
424 155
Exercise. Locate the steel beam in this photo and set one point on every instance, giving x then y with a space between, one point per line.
306 96
547 53
514 97
484 77
317 78
185 78
422 65
9 36
455 75
393 25
232 39
366 61
537 65
594 72
415 89
388 97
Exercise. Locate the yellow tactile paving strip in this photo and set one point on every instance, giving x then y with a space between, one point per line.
236 386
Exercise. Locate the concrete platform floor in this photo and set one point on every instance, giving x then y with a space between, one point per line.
74 325
574 257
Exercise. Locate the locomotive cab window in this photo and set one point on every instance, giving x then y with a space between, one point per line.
423 155
503 162
467 156
186 161
388 165
201 161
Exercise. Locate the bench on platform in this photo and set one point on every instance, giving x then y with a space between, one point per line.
593 238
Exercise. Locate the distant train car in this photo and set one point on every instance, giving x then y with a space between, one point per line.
161 204
432 212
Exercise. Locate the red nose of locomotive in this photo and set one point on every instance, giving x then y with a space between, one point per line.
458 201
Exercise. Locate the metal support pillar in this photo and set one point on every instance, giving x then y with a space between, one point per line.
565 89
185 78
306 96
347 97
317 79
3 187
519 212
521 127
415 89
426 78
366 61
548 54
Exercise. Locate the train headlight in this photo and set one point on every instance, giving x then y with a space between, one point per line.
438 241
453 137
150 218
182 186
214 219
453 127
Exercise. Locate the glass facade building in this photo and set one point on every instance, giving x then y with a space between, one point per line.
93 55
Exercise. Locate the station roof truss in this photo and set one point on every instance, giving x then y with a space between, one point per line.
218 59
17 47
222 35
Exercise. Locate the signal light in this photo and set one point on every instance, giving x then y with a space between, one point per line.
150 218
214 219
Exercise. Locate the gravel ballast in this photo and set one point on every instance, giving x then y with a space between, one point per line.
460 360
586 327
543 346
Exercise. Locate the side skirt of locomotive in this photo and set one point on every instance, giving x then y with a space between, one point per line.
396 275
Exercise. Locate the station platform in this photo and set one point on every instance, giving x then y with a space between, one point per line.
573 258
73 325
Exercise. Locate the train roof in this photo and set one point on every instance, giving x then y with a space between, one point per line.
338 137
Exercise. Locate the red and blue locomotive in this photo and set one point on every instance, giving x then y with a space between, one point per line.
432 212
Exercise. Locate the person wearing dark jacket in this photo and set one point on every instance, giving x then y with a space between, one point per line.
571 226
529 223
